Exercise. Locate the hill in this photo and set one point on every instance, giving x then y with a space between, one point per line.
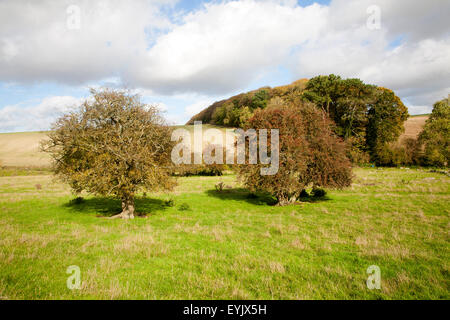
246 99
22 150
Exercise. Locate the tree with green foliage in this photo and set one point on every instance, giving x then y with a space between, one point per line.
350 113
385 122
231 115
322 90
344 100
367 117
260 99
219 115
244 114
113 146
435 136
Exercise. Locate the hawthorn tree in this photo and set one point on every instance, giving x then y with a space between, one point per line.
309 152
113 146
436 135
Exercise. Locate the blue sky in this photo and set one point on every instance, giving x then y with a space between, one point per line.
184 55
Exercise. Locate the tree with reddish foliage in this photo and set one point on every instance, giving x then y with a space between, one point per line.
310 153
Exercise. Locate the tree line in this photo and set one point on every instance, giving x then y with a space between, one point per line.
369 118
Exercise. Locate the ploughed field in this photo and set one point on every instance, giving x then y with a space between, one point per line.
22 149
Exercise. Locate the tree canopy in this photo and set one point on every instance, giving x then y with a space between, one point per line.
368 117
309 152
436 135
113 146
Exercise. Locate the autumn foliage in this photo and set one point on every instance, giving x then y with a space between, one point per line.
435 137
310 154
113 146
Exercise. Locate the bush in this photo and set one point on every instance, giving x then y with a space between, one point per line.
356 152
406 152
187 170
228 114
412 149
220 186
203 169
252 195
309 153
260 99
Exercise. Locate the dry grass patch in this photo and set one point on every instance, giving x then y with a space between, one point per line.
141 244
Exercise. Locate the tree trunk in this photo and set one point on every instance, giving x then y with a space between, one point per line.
127 210
284 201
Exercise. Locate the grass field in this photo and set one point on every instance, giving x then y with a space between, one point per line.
228 245
22 149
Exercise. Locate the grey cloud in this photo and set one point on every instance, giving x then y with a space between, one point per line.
36 116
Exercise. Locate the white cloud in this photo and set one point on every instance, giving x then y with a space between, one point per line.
226 46
417 68
196 107
34 117
36 43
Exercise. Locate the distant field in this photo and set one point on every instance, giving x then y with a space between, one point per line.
22 149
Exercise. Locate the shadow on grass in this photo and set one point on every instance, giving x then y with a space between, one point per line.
258 198
312 199
241 194
107 207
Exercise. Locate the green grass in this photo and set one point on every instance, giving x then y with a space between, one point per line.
229 245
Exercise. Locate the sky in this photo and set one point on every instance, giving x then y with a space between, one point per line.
184 55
